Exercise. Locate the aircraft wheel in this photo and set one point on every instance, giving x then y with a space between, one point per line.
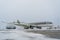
38 27
31 27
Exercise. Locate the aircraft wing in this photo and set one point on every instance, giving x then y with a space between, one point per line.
39 23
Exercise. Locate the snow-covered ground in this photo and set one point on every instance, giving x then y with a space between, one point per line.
19 34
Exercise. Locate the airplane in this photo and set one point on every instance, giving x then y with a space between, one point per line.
38 25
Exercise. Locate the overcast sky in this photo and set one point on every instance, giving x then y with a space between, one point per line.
30 10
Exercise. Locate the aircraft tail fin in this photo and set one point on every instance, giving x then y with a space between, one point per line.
18 21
